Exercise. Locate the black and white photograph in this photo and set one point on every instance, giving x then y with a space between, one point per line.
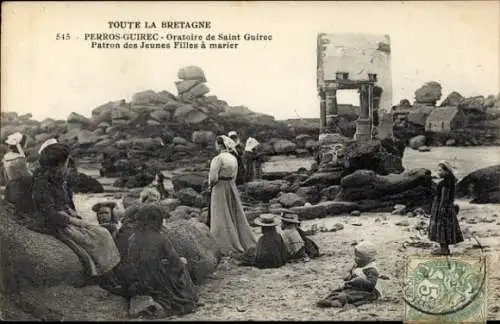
250 161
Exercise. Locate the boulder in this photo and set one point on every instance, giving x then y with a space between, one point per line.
103 112
372 156
412 188
451 142
330 193
66 303
170 204
190 115
429 93
160 115
424 149
149 97
324 179
203 137
290 199
197 181
324 209
284 147
453 99
197 91
183 212
140 143
309 193
75 118
185 86
301 140
193 241
82 183
191 72
190 197
31 259
473 103
265 190
417 141
482 185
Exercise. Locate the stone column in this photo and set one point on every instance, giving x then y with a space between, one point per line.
322 111
363 124
331 111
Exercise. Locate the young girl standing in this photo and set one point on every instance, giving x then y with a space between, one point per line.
444 227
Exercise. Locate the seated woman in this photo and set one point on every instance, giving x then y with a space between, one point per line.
55 215
271 251
155 268
298 245
360 287
106 216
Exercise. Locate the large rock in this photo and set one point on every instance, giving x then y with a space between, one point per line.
31 259
310 193
185 85
417 142
324 209
75 118
189 114
194 241
66 303
190 197
482 185
103 112
473 103
413 188
429 93
373 156
160 115
191 72
453 99
324 179
265 190
82 183
203 137
302 139
291 199
197 181
197 91
140 143
284 147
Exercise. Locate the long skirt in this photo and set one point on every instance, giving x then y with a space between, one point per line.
444 227
228 222
349 296
94 246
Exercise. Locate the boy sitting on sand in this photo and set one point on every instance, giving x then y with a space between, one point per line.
360 287
271 251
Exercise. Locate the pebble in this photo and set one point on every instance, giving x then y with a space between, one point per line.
355 213
472 221
357 224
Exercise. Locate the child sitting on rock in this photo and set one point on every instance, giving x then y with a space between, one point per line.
295 239
271 251
360 287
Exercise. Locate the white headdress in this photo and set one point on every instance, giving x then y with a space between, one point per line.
15 140
251 144
47 143
229 143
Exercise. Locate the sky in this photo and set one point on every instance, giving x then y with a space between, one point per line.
454 43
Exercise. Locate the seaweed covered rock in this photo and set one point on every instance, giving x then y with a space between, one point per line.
193 241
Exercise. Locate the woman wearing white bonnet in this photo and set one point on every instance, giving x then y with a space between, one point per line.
14 161
253 159
227 219
361 282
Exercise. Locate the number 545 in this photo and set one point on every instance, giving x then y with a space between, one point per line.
63 36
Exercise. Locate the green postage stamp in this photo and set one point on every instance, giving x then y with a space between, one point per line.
445 289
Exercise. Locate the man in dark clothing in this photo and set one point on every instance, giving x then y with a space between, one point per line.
240 149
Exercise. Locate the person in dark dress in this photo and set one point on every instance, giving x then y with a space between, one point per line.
156 269
271 251
360 285
238 153
444 227
56 215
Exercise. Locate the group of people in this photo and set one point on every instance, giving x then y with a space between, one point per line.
132 257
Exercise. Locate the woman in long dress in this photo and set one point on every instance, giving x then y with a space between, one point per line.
228 222
55 215
444 227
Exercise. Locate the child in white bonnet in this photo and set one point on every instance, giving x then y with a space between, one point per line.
361 281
